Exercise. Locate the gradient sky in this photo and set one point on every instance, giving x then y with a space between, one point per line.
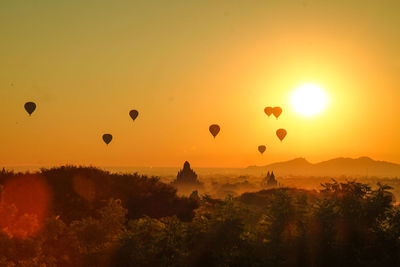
187 64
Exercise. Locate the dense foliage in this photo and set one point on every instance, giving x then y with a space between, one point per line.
131 220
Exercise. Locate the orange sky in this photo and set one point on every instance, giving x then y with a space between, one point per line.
185 66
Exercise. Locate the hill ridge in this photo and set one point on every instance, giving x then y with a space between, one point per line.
340 166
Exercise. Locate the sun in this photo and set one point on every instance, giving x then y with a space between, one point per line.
309 100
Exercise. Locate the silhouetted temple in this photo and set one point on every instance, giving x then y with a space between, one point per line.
186 176
269 180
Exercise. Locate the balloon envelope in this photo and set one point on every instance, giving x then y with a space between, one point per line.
214 129
281 133
277 111
133 113
107 138
30 107
268 111
261 149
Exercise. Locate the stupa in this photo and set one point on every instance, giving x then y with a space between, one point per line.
269 180
186 176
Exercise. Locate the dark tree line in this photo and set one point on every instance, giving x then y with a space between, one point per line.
103 219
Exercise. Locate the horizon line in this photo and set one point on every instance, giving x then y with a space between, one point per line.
179 166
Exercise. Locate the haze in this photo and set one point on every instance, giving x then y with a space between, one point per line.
186 65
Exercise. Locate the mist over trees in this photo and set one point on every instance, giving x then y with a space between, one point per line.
95 218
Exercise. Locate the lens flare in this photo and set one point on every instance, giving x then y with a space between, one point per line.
24 205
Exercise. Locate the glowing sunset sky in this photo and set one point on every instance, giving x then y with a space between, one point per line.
188 64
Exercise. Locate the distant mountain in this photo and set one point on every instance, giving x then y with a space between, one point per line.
363 166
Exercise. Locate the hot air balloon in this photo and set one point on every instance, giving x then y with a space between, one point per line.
133 113
281 133
268 111
214 129
261 149
277 111
107 138
30 107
